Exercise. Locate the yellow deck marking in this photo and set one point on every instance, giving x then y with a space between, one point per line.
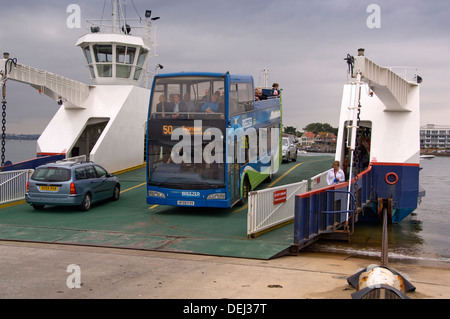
128 189
282 176
270 185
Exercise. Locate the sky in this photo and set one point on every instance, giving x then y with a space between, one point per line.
302 43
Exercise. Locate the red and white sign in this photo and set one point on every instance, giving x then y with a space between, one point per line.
279 196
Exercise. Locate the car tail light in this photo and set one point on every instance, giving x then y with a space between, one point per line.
28 186
73 190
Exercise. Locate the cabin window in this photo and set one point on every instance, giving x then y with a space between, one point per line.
104 70
140 62
103 53
87 54
124 55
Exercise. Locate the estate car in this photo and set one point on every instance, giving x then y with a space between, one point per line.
71 183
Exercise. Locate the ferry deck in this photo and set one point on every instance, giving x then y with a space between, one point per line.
131 223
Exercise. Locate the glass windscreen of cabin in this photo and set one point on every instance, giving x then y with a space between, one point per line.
164 172
188 97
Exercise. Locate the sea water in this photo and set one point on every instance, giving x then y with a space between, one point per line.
20 150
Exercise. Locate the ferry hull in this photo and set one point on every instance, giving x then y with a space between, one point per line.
400 182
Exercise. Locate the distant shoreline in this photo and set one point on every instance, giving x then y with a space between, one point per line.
29 137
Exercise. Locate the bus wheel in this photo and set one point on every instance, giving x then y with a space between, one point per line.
245 190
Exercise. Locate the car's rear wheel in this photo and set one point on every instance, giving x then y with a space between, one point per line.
37 206
86 204
116 192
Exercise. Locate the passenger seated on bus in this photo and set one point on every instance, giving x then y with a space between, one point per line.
189 105
178 106
213 105
163 106
206 96
258 95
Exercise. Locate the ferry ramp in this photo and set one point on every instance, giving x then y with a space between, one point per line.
131 223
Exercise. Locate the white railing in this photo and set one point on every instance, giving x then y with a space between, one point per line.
407 73
13 185
319 181
138 27
273 206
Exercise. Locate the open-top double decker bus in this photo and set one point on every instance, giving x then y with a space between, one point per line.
208 141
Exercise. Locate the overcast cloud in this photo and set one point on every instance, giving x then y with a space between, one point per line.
302 43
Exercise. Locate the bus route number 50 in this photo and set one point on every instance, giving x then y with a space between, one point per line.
167 129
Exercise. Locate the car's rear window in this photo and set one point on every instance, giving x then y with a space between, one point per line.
51 174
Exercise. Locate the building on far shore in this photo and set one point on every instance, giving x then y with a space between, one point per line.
435 136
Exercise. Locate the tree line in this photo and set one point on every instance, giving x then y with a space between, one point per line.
312 127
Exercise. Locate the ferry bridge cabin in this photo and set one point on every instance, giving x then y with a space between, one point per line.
208 141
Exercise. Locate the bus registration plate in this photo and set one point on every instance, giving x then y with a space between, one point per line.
186 202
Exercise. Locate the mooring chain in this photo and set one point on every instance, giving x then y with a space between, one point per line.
384 240
8 63
356 154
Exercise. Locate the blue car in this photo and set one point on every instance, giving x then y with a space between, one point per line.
71 183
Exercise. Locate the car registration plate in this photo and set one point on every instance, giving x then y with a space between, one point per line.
186 202
49 188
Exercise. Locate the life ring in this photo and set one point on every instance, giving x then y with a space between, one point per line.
389 175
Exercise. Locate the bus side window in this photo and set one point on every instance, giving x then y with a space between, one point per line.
245 97
233 99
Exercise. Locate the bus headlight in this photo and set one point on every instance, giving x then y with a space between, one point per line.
216 196
156 194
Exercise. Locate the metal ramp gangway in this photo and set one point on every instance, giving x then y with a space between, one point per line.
65 91
330 212
393 89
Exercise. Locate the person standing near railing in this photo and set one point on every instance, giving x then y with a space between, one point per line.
335 174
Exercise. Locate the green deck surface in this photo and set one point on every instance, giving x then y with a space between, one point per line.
131 223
